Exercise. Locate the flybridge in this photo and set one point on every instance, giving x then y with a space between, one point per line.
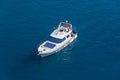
63 30
65 25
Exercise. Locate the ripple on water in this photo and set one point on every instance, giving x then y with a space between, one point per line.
116 72
65 54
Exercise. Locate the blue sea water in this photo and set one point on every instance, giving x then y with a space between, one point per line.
95 55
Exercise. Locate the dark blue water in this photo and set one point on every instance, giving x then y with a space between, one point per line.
95 55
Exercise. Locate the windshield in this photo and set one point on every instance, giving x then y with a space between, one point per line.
55 40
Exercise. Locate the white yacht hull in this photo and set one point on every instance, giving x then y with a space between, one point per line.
59 47
58 39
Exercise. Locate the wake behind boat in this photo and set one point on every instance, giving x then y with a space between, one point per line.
58 39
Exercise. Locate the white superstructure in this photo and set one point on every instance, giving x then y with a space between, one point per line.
58 39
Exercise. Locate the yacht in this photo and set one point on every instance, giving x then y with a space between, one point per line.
62 36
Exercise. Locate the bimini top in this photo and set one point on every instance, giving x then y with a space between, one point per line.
65 24
55 40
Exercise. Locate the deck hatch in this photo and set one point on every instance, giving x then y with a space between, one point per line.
49 45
